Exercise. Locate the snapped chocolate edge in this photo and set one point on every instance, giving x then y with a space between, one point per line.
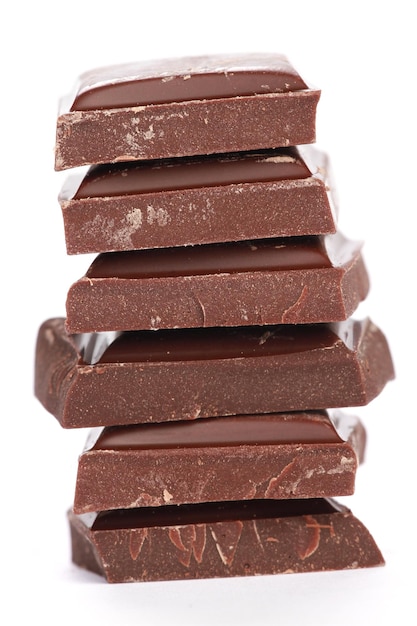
302 296
157 219
198 474
319 542
185 128
82 395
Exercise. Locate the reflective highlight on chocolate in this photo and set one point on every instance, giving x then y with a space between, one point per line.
195 78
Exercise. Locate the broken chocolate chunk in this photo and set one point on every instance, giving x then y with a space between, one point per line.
302 280
221 540
149 376
285 455
196 200
180 107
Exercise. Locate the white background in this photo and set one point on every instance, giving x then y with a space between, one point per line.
362 55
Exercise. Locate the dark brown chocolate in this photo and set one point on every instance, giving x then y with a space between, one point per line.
195 200
273 281
221 540
181 374
180 107
285 455
178 80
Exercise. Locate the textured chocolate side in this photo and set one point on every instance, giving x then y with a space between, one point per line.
186 128
286 455
184 374
254 538
114 214
274 281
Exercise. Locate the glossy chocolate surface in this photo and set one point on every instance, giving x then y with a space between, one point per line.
217 343
222 431
211 512
244 256
177 80
190 173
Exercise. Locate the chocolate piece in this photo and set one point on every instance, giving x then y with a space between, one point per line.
149 376
195 200
179 107
273 281
221 540
285 455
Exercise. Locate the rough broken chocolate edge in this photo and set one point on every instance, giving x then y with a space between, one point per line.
80 395
234 212
120 479
307 543
186 128
302 296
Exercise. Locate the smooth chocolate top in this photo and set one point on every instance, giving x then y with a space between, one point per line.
237 430
210 512
242 256
119 179
196 344
189 78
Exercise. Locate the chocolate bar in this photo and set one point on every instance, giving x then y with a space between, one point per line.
221 540
181 107
181 374
285 455
197 200
272 281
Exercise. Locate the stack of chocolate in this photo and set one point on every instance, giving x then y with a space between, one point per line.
210 345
